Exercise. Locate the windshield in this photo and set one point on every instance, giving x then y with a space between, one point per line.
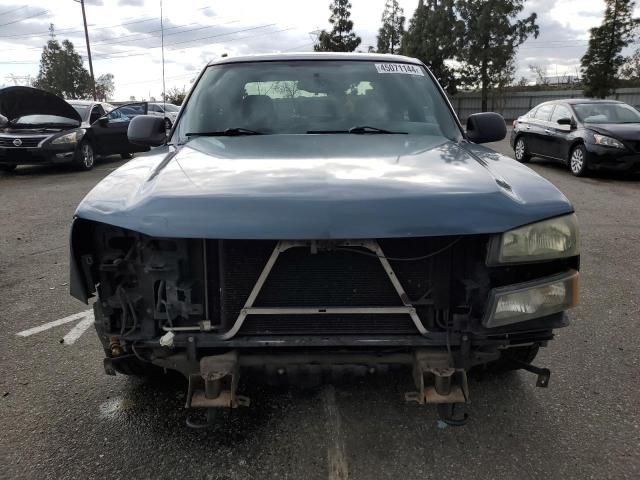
81 109
298 97
606 113
171 108
44 120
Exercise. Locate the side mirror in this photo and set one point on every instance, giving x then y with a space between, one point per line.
4 121
564 121
103 121
147 130
486 127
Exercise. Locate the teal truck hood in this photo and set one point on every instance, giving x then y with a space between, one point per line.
321 187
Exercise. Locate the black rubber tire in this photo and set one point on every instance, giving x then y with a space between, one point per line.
578 166
505 363
80 161
7 168
126 156
523 153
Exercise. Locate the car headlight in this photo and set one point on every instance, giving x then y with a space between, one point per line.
530 300
66 139
554 238
607 141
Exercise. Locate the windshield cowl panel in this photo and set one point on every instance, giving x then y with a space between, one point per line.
309 96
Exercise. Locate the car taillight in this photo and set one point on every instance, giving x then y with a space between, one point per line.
515 122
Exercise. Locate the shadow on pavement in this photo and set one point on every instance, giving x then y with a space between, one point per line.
597 175
62 168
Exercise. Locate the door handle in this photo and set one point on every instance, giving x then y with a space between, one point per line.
546 130
528 127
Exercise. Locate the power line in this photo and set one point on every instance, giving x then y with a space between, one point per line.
201 27
13 10
44 12
75 30
117 54
141 35
127 53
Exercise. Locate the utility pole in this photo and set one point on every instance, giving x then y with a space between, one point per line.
86 37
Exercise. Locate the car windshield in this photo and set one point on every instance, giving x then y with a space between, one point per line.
35 120
606 113
171 108
81 109
299 97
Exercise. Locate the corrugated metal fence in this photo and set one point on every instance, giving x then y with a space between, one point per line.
513 104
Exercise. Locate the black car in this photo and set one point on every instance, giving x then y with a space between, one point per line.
584 134
39 128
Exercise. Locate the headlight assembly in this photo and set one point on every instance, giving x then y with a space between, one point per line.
66 139
547 240
607 141
527 301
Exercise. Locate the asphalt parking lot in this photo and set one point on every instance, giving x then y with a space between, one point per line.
61 417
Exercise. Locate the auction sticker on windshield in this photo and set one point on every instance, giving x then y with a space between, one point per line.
404 68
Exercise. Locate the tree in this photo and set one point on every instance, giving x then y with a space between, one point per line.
541 74
392 30
631 68
105 87
603 60
176 95
432 37
61 71
490 37
341 38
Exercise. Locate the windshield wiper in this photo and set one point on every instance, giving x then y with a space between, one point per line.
229 132
360 129
368 129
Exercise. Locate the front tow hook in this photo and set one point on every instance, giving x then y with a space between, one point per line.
543 373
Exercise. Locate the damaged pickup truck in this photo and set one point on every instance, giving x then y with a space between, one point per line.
315 213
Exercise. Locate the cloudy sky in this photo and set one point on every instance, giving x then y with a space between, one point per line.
125 34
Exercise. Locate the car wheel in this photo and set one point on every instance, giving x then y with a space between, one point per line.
578 161
167 124
510 358
521 150
126 156
85 157
7 168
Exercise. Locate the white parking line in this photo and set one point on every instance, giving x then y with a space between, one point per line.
86 320
81 327
338 468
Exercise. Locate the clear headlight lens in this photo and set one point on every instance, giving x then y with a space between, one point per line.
526 301
555 238
607 141
66 139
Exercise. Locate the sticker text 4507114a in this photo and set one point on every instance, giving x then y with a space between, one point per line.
404 68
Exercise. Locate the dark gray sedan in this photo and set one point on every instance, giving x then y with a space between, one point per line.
584 134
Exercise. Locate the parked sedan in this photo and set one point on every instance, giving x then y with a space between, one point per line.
168 111
40 128
584 134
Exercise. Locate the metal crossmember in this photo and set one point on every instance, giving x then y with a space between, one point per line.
283 246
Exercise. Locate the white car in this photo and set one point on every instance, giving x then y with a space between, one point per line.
167 110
